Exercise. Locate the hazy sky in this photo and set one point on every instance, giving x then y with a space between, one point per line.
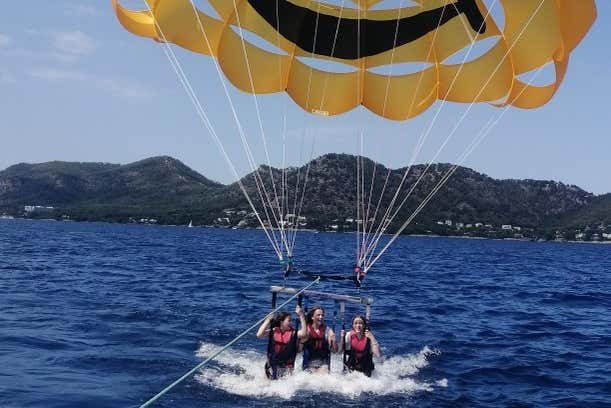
75 86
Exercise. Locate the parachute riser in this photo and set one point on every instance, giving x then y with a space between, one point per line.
367 301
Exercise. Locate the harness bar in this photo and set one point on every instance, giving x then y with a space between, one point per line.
322 295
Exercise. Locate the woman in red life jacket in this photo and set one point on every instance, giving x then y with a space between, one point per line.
318 342
359 346
282 342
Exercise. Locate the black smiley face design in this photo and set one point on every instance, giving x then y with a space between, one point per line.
350 38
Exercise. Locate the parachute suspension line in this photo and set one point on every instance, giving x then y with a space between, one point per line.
257 177
375 214
457 125
314 41
283 203
298 202
384 221
367 226
255 98
305 182
293 229
258 180
327 75
283 193
368 221
260 121
388 220
418 85
299 195
245 145
361 213
462 19
184 80
442 181
291 232
392 54
481 135
364 213
357 205
476 141
361 217
296 211
303 191
226 346
296 206
359 193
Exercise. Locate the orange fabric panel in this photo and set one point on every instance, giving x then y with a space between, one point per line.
535 33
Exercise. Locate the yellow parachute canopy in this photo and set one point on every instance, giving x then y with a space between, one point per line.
535 33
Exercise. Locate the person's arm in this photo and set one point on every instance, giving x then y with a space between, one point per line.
375 346
263 331
303 332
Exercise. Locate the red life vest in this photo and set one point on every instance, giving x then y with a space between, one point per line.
284 346
357 354
281 351
281 340
318 339
317 346
359 346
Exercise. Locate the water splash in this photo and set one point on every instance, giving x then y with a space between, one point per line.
240 372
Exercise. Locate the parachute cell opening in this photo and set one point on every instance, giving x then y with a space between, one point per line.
258 41
473 52
405 68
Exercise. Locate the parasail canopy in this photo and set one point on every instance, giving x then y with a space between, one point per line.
534 33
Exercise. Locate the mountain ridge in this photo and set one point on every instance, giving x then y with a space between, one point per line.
166 189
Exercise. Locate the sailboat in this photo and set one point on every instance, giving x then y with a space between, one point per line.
190 224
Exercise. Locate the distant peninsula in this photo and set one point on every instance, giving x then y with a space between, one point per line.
163 190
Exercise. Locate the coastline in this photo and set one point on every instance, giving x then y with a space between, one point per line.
315 231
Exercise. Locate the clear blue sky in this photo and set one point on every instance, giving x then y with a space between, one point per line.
75 86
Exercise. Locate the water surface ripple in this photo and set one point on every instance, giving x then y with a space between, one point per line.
103 315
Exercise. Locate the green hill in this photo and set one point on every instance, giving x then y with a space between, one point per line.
597 212
165 189
467 197
159 186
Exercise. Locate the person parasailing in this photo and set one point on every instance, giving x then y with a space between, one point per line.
282 343
359 346
318 342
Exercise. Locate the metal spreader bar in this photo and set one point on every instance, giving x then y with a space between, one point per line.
363 300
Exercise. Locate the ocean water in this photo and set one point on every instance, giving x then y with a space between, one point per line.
102 315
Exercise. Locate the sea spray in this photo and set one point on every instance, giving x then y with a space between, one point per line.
240 372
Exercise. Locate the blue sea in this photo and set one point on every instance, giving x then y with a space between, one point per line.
105 315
